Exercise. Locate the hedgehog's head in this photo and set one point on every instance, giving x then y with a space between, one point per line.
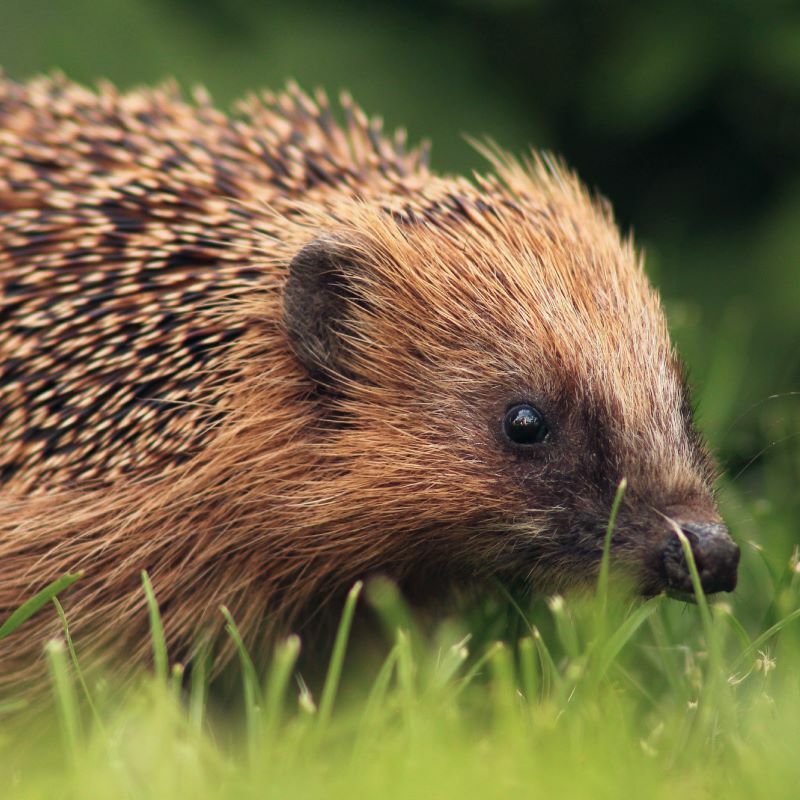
493 363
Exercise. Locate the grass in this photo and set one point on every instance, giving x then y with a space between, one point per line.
575 696
570 697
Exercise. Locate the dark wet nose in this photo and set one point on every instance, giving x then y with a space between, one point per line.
715 554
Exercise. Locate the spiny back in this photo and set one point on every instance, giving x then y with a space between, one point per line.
128 224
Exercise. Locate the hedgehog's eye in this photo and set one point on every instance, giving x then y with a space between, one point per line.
524 425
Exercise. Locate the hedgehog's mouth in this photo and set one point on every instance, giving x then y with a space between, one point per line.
680 593
659 590
684 597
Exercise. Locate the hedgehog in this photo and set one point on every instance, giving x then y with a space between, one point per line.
265 354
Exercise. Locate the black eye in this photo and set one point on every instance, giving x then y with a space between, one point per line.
524 425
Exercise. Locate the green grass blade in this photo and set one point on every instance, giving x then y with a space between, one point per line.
66 700
476 668
551 679
283 662
505 702
763 638
176 679
40 599
528 670
738 629
375 704
385 598
75 663
514 604
252 694
449 664
406 683
198 690
605 561
700 595
337 656
565 626
379 688
159 642
716 712
617 641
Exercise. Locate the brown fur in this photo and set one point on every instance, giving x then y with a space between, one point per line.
154 412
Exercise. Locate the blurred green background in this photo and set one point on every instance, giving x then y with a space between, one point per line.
686 114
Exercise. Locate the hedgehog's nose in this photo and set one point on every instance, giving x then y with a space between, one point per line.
716 556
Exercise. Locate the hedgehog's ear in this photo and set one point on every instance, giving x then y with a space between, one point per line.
317 300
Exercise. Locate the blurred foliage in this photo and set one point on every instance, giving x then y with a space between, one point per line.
686 114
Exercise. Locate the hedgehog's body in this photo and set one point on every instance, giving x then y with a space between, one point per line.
168 401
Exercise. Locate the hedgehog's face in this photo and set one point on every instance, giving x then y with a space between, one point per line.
568 456
492 396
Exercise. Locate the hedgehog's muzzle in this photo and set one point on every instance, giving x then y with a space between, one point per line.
715 554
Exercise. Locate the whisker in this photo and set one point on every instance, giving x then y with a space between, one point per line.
758 404
761 452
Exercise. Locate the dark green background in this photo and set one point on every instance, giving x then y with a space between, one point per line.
685 114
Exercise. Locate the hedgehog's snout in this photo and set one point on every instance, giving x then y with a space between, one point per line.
715 554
